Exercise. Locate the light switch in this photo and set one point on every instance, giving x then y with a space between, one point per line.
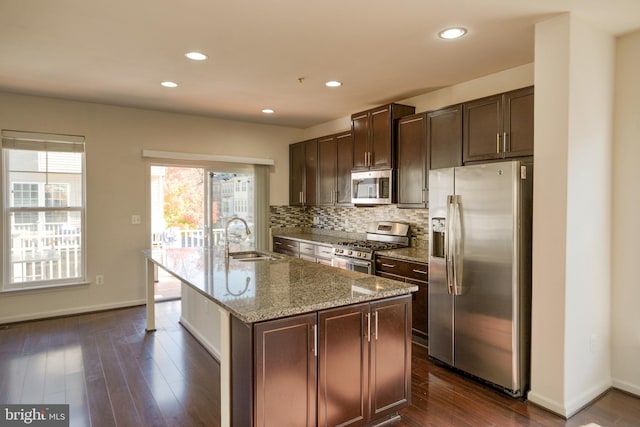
135 219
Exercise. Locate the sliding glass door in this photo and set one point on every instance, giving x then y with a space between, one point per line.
231 195
190 206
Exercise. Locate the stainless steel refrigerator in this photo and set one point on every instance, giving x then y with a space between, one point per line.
480 271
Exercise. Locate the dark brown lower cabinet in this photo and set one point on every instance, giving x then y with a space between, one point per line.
285 372
346 366
343 365
364 362
390 357
415 273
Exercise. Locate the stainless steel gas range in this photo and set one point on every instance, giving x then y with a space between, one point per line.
359 255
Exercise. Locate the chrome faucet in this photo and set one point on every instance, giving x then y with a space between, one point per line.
226 233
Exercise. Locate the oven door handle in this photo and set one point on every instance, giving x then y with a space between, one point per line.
353 261
358 262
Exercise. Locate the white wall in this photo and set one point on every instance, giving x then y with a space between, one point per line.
574 71
588 308
551 133
491 84
626 218
116 186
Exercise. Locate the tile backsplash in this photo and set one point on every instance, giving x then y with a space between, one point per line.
350 220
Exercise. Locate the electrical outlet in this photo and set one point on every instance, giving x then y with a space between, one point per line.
135 219
99 279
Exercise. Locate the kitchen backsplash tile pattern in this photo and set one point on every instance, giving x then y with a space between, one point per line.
350 220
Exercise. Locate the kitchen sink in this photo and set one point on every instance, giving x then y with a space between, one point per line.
253 256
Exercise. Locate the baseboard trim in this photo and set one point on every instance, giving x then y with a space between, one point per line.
572 407
70 311
200 338
584 399
626 387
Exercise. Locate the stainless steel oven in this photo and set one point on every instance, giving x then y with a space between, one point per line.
359 255
352 264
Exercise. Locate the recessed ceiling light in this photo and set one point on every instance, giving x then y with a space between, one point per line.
196 56
169 84
333 83
268 111
452 33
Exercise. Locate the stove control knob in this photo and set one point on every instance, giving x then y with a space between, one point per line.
349 252
360 254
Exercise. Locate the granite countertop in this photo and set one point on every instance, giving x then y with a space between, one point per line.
409 254
270 289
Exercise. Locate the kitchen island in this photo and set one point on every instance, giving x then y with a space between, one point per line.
301 343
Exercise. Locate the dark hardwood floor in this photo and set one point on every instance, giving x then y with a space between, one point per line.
112 373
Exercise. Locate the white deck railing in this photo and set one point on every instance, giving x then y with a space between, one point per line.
45 252
54 251
175 238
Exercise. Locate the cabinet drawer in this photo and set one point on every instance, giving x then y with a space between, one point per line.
286 246
307 249
324 251
404 268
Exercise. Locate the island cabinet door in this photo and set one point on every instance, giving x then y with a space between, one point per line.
343 353
390 358
285 372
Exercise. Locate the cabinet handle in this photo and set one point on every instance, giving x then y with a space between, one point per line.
370 158
424 191
315 340
419 271
389 265
504 142
368 327
277 243
497 143
376 314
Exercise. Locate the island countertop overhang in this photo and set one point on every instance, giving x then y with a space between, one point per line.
264 290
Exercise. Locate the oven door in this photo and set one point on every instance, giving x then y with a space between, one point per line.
352 264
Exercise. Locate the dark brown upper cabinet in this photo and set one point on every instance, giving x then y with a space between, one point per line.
413 158
335 160
374 136
499 126
444 137
303 169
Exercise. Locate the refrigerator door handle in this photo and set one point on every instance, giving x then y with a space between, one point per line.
448 246
456 238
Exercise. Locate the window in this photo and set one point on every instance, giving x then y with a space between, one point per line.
44 209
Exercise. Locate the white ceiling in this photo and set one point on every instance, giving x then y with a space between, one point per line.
118 51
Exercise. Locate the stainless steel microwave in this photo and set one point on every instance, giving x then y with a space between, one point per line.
372 187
